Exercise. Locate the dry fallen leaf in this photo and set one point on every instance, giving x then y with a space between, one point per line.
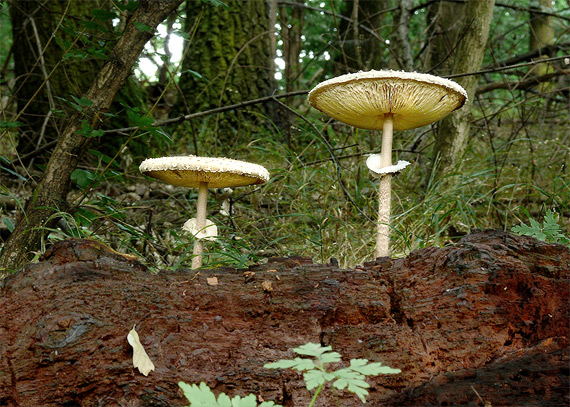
249 276
212 280
140 358
267 286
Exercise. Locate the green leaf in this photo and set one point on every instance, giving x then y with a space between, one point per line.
142 26
103 14
312 349
199 396
83 178
330 357
14 173
195 74
550 231
82 101
9 124
224 400
297 364
84 217
140 120
94 26
9 224
371 369
129 6
202 396
314 378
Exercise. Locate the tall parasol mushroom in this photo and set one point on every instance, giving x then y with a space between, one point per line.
387 100
203 173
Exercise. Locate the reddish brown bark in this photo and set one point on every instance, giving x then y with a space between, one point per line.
489 314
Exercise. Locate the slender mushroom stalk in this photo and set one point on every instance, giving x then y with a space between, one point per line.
385 191
200 224
387 100
203 173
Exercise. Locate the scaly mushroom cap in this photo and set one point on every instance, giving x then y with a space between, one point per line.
191 171
363 99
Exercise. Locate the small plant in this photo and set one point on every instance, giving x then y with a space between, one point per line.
202 396
315 375
550 231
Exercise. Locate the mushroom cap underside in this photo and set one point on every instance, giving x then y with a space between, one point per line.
191 171
364 99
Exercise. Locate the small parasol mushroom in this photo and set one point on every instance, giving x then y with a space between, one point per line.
387 100
203 173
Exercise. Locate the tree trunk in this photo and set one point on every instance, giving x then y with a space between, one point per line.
37 54
49 196
362 46
401 51
542 35
443 26
229 61
291 20
452 132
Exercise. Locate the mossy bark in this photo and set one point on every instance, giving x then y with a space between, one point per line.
229 61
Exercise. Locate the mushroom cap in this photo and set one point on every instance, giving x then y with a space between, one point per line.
208 232
191 171
363 99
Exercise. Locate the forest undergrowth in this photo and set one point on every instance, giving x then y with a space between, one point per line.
318 203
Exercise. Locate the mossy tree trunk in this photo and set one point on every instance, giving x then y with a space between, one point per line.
41 30
49 196
452 132
229 61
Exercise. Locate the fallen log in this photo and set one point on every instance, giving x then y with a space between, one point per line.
483 322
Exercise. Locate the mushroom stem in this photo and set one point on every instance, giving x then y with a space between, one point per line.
200 224
384 191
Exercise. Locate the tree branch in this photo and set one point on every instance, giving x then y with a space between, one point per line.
221 109
504 5
520 85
